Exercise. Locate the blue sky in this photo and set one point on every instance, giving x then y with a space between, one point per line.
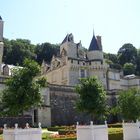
117 21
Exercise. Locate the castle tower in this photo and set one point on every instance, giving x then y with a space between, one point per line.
1 43
69 46
95 49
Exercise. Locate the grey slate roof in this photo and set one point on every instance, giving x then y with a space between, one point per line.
93 45
68 38
65 39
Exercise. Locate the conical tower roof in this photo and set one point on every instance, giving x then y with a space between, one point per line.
93 44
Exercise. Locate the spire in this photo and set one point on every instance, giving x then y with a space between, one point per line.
93 44
93 32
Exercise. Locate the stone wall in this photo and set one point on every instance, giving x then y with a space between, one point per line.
63 111
62 105
10 121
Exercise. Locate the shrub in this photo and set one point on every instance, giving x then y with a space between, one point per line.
66 139
64 131
116 125
56 128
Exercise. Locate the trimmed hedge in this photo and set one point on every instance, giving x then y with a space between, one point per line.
56 128
64 132
66 139
117 125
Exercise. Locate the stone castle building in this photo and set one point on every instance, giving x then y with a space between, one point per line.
63 74
76 62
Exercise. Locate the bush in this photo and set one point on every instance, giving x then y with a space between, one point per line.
66 139
116 125
64 131
56 128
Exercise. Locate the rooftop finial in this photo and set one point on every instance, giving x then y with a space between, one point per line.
93 32
0 18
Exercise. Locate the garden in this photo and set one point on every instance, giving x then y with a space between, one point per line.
115 132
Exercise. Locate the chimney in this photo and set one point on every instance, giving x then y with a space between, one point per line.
99 41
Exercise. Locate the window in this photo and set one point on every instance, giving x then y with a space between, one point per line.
82 73
78 62
71 61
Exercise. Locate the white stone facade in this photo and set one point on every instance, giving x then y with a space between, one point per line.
76 62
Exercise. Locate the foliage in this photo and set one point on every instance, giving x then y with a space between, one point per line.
127 54
45 51
116 66
138 62
112 57
92 97
129 104
56 128
64 131
15 51
22 92
42 81
116 125
128 68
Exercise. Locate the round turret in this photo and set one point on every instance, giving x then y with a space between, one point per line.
95 49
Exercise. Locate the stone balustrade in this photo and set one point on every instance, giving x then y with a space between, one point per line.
22 134
131 131
92 132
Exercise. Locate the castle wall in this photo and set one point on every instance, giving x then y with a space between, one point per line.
58 76
100 74
63 111
130 83
95 55
70 48
114 80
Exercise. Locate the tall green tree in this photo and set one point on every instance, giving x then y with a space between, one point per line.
22 92
138 62
127 54
92 97
45 51
15 51
129 68
112 57
129 104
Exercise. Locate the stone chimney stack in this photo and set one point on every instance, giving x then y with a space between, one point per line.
99 41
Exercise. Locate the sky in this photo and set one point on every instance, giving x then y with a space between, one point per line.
117 21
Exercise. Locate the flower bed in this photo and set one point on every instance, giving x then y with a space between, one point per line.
67 136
